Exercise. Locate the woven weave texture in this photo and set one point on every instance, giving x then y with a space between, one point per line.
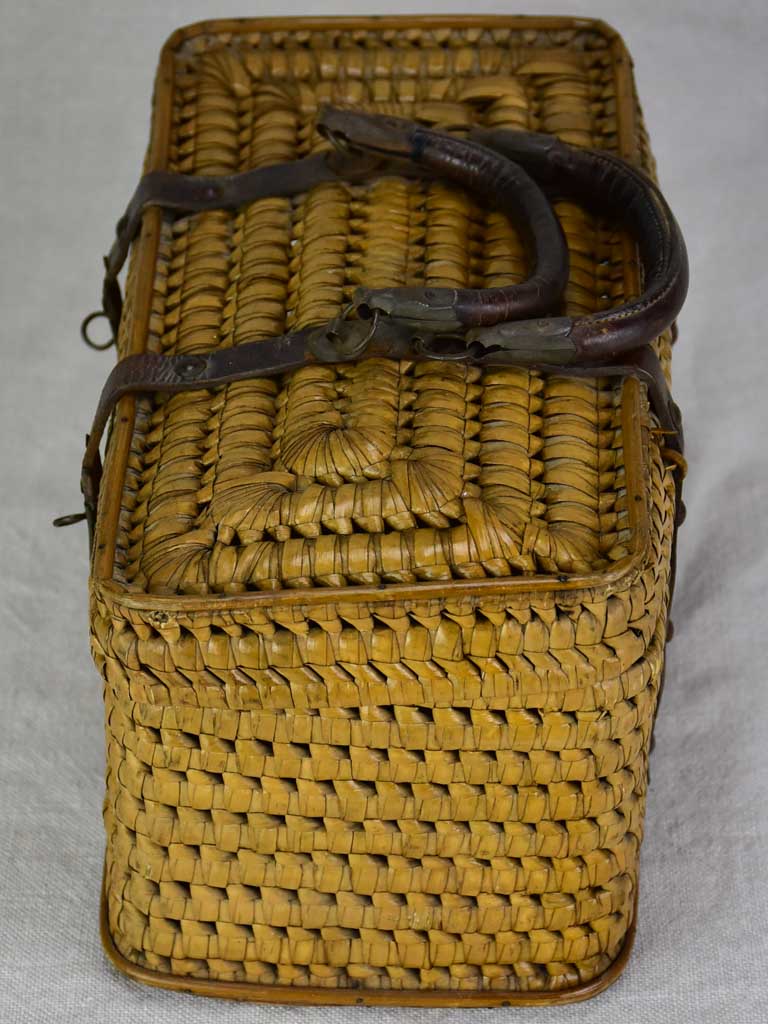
388 793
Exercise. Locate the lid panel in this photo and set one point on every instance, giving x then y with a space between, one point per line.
382 471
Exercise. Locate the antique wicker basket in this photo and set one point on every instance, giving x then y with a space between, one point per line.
381 643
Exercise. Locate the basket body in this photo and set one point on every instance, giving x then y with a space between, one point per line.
382 643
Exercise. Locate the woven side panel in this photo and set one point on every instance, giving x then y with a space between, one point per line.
432 797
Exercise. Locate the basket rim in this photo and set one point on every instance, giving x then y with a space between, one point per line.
244 25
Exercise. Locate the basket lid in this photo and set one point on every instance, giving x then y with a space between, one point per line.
379 472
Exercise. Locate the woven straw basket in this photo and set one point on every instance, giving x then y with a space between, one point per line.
381 643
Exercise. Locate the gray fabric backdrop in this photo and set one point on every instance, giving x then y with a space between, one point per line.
76 81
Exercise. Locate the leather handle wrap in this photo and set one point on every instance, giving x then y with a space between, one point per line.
490 176
607 184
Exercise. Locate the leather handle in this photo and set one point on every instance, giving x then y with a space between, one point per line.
608 184
487 174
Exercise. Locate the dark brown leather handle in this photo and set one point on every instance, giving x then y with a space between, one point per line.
599 179
610 186
491 176
500 183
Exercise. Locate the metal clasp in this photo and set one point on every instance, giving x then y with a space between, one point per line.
343 340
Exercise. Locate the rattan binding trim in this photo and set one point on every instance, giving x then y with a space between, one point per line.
316 996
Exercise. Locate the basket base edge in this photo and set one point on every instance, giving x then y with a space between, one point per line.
317 996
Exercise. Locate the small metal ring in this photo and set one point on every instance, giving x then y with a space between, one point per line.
677 460
374 320
365 341
344 314
334 336
96 315
70 520
431 347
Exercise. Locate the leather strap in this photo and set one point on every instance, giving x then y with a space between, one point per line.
338 342
497 170
490 175
196 193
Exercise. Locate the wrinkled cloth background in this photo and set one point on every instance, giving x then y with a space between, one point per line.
75 83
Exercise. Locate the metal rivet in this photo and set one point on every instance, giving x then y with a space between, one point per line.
191 368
